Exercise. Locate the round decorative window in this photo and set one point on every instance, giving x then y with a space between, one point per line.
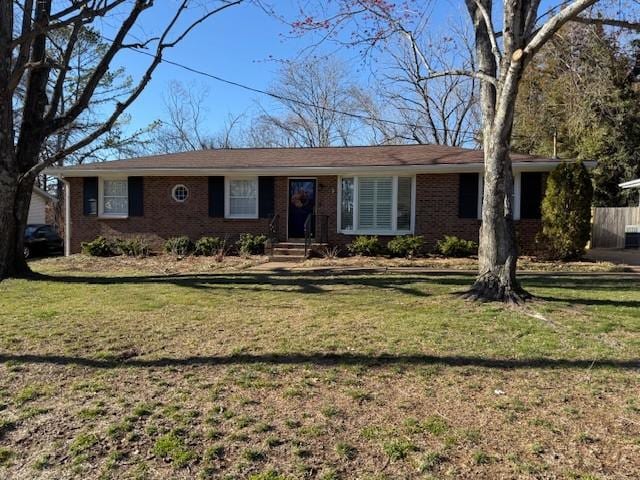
180 193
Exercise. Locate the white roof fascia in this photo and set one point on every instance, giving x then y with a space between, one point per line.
289 171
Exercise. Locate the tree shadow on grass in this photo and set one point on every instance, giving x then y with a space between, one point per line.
302 282
601 302
327 360
614 283
319 282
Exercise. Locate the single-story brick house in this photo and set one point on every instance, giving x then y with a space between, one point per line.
428 190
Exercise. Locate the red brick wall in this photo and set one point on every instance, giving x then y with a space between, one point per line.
163 217
436 213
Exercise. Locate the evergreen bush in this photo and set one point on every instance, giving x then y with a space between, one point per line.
100 247
407 246
251 244
208 246
452 246
566 211
365 246
133 247
179 246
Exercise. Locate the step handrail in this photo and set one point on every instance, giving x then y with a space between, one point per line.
307 234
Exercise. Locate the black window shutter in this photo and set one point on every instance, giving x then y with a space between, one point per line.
468 196
266 197
530 194
136 196
90 196
216 196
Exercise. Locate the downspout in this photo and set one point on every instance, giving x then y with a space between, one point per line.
67 216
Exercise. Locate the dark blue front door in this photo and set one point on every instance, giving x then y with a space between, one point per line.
302 203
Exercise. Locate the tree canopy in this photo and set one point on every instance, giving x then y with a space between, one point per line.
583 88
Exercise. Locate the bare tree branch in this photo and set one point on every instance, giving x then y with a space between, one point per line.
554 24
464 73
486 15
611 22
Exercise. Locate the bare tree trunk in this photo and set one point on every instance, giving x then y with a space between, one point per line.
15 198
14 209
498 253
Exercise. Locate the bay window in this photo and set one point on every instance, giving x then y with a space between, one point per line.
376 204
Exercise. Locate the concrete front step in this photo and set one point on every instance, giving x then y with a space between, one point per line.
297 245
286 258
289 245
289 251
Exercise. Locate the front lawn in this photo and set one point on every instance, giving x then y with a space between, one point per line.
243 374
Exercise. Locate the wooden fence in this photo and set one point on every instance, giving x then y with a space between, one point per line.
607 230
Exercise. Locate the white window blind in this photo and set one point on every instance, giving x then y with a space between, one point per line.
375 199
376 205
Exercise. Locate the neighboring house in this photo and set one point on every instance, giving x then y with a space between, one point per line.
41 207
428 190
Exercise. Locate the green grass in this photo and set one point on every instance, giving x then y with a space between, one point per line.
172 448
398 449
5 456
228 375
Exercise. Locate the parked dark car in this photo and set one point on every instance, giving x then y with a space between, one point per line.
42 240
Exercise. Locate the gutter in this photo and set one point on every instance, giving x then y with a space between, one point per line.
630 184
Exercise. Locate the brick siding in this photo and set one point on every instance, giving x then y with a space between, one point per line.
436 214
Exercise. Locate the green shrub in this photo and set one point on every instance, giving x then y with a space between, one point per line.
251 244
365 246
406 246
179 246
100 247
133 247
451 246
566 211
208 246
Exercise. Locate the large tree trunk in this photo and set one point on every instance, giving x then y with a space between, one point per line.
14 210
498 253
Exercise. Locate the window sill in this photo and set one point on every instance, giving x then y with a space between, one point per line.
113 217
242 218
376 232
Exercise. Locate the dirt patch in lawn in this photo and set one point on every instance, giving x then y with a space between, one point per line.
155 264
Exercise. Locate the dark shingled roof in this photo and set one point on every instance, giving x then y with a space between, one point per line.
374 156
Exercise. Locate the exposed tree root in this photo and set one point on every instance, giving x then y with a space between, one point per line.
493 288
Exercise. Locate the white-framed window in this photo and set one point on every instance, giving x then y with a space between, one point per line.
241 197
114 197
180 193
376 204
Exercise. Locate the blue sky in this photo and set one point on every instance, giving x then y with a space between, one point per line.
242 44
